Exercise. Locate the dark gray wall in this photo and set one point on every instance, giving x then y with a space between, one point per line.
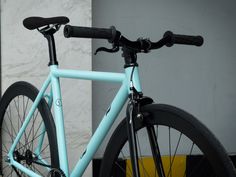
200 80
0 53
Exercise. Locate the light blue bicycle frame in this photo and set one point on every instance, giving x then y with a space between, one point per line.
54 98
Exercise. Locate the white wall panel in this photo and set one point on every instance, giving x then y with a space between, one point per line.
25 57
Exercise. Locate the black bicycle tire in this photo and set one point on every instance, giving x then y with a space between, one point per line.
180 120
26 89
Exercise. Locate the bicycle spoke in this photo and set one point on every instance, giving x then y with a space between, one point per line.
144 169
18 112
38 171
169 152
33 133
43 149
17 109
16 171
122 169
40 125
191 150
26 106
5 147
10 172
196 168
12 127
29 133
11 136
44 158
172 161
30 141
5 167
8 133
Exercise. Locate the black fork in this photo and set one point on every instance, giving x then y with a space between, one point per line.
132 138
155 151
132 113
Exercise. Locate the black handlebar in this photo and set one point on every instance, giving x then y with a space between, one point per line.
90 32
183 39
141 45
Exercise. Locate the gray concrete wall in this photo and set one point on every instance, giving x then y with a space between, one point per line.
25 57
200 80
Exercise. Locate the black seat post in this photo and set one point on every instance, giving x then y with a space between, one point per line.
51 46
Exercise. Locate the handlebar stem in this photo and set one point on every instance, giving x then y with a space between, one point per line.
130 57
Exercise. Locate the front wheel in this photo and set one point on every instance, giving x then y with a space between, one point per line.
186 147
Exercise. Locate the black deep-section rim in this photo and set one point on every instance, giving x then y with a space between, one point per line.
25 89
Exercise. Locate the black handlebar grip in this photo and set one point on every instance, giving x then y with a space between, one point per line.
90 32
183 39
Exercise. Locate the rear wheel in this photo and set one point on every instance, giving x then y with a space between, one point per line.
37 148
187 148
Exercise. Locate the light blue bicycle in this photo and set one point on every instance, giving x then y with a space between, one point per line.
153 139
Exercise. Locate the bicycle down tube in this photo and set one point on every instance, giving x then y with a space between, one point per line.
104 126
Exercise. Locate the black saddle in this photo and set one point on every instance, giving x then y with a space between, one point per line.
32 23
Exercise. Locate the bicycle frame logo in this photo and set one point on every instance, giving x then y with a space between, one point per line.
54 98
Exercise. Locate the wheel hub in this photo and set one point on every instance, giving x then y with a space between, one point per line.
28 157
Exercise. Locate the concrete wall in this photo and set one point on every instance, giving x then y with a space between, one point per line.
25 57
200 80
